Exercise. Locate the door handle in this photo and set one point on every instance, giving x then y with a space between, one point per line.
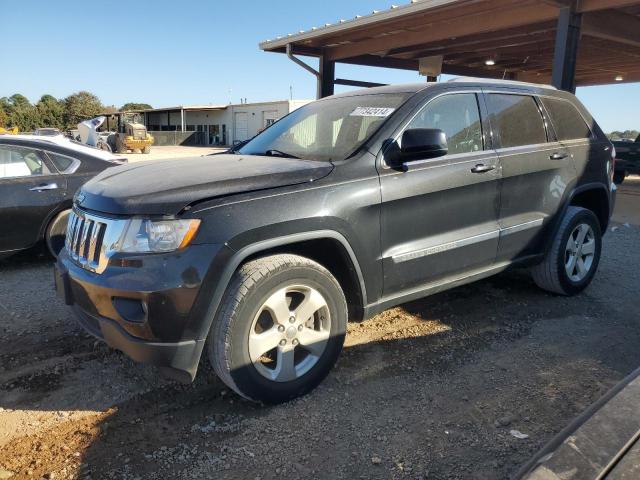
558 156
43 187
480 168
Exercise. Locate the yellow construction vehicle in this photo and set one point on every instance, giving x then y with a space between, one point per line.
9 131
130 133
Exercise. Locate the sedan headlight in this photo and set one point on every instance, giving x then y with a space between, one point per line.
146 236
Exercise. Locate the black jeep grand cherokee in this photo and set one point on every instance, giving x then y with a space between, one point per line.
347 206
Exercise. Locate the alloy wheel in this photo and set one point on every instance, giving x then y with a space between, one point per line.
289 333
580 252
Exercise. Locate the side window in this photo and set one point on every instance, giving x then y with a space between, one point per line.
516 119
63 163
458 116
21 162
567 121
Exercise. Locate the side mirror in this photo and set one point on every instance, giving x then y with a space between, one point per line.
423 143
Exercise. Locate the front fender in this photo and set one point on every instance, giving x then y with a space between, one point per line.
232 259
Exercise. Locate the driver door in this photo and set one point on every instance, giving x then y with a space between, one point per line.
440 216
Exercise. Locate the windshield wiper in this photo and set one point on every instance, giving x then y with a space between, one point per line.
278 153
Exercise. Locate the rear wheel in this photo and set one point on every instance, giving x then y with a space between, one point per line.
280 330
146 149
121 146
573 258
618 177
55 234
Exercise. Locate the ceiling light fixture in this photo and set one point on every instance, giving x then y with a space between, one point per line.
490 62
619 78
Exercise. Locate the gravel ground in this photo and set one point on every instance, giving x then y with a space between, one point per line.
439 388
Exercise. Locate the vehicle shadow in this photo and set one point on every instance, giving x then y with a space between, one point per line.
34 256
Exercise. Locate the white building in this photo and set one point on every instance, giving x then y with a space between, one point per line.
214 124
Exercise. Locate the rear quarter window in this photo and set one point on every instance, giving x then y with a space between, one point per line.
517 120
567 120
63 163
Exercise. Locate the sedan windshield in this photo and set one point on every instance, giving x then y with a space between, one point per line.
330 129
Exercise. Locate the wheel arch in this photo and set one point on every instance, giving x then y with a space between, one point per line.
328 247
592 196
52 215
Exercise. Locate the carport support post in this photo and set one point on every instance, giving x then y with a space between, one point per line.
566 49
326 78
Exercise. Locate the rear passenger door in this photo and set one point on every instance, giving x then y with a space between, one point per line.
440 216
536 171
589 155
30 190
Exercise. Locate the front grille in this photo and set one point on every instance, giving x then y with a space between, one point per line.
85 236
90 239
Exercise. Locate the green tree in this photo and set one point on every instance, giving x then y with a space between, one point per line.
617 135
135 106
81 106
4 118
20 112
50 112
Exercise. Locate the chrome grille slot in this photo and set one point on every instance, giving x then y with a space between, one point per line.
90 239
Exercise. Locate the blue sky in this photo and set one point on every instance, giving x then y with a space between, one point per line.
192 52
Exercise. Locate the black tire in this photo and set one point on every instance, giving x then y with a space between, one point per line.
551 274
121 147
55 234
251 286
618 178
146 149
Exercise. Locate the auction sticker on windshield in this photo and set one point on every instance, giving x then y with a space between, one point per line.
372 112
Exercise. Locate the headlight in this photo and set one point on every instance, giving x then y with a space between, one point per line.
143 235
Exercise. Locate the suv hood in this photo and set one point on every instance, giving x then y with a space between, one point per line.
165 187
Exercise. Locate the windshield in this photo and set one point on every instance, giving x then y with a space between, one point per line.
330 129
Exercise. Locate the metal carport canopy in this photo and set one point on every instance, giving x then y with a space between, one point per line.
567 43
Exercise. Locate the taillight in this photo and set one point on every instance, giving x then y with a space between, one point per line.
612 165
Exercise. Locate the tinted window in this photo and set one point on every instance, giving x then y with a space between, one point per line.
457 116
21 162
567 121
517 120
61 162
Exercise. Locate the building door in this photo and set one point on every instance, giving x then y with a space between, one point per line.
241 127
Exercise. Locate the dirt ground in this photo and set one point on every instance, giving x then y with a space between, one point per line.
165 152
435 389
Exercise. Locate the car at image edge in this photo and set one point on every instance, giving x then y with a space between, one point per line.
627 159
345 207
38 178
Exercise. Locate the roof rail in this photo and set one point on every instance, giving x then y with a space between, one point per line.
501 82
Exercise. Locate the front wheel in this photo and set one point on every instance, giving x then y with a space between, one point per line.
572 260
280 330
